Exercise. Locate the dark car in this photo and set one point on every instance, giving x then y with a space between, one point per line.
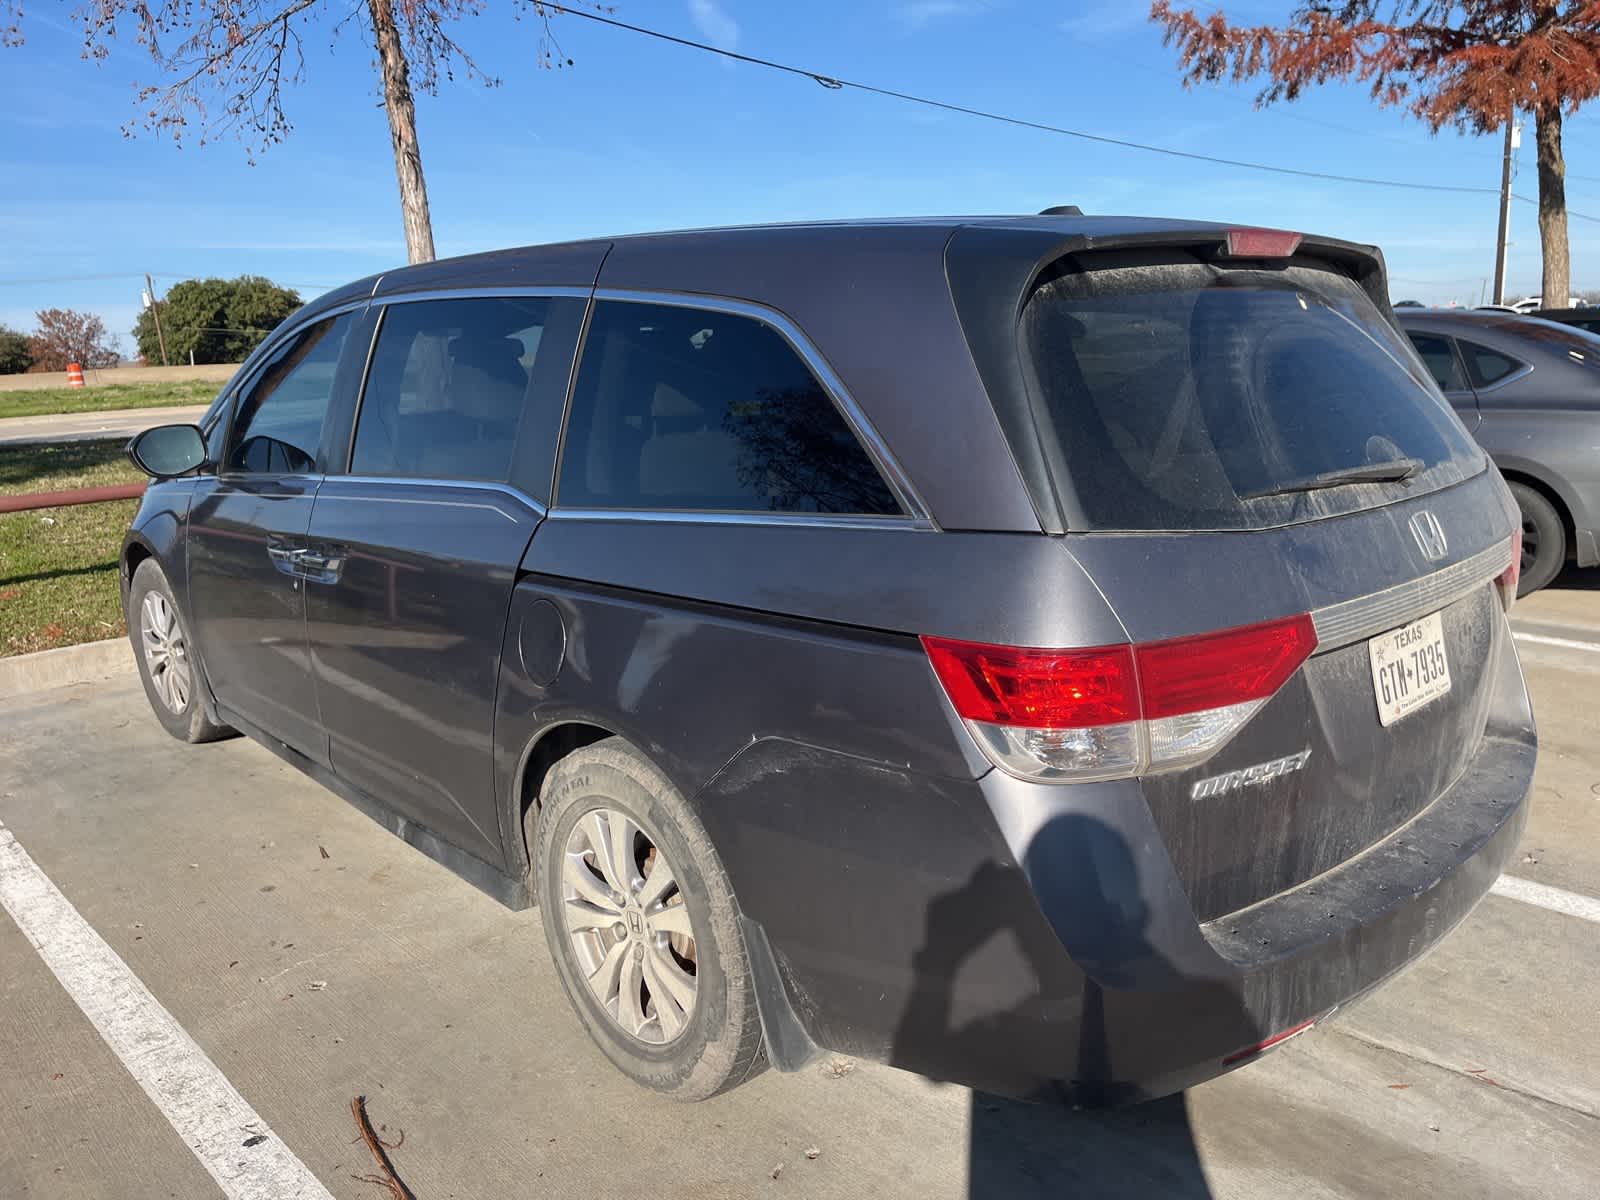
1061 654
1529 390
1586 319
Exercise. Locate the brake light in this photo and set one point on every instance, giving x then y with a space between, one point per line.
1042 689
1117 711
1508 579
1262 243
1230 667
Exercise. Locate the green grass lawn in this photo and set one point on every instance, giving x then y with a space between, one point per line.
58 566
109 396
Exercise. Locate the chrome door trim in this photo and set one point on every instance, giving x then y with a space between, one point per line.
701 517
412 481
510 292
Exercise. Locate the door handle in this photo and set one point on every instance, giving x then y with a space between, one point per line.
323 565
285 557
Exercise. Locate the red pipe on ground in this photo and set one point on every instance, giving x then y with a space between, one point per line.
95 495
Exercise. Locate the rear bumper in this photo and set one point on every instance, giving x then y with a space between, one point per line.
1305 953
1036 941
1167 1003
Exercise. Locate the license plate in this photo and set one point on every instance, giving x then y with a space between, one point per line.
1409 668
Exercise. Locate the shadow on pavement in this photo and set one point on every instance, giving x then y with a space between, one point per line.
1091 1027
1575 579
1018 1150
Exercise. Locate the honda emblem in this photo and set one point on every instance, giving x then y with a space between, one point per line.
1429 533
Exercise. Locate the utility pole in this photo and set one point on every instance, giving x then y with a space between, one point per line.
1513 140
161 338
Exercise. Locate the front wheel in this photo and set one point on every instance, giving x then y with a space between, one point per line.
1544 539
168 667
642 925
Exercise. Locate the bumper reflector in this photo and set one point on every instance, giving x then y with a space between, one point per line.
1276 1039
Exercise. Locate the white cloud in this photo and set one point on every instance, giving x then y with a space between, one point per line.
718 27
1107 20
918 14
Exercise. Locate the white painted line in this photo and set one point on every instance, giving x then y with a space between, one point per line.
206 1110
1565 643
1554 898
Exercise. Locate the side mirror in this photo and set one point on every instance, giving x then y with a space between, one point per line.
168 450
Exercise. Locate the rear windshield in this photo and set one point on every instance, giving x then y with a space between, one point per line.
1177 394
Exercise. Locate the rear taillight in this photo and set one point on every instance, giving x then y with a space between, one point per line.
1117 711
1508 579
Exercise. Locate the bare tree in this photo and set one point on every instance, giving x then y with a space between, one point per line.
226 64
65 336
1465 63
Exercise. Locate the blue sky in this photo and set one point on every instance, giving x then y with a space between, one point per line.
641 135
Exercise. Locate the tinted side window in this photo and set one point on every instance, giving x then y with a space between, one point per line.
1487 366
1440 360
448 387
686 409
278 425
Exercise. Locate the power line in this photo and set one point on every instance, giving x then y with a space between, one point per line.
835 83
1281 112
216 329
298 287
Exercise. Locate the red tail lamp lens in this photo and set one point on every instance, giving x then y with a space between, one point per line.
1262 243
1040 689
1215 669
1111 685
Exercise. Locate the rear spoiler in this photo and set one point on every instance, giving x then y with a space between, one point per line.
993 269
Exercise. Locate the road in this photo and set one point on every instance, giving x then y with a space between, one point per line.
88 426
311 958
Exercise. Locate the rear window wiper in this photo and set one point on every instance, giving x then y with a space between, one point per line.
1382 472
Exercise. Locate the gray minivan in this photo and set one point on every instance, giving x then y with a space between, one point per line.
1061 654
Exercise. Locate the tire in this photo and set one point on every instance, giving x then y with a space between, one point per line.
685 1051
169 665
1544 539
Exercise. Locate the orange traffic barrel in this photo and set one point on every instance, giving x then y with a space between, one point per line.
74 375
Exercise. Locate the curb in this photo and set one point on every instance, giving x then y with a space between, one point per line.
88 663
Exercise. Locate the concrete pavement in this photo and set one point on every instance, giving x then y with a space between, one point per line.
312 957
88 426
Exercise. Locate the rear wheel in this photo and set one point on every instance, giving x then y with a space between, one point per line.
168 665
642 924
1544 539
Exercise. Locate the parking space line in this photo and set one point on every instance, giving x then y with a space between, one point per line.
230 1139
1564 643
1555 899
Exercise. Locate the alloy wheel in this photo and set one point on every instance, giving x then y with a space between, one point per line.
629 926
165 653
